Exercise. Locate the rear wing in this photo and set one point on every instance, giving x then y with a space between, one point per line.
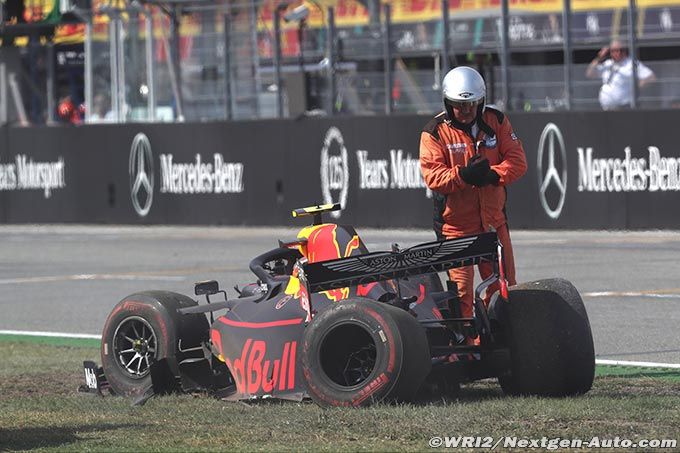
424 258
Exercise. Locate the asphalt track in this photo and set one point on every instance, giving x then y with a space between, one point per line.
67 278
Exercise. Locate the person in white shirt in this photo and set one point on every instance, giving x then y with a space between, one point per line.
616 73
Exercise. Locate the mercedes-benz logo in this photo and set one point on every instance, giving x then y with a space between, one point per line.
551 176
334 170
141 174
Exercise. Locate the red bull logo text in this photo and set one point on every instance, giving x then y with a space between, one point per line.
254 374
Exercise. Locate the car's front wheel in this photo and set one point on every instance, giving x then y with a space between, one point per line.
143 328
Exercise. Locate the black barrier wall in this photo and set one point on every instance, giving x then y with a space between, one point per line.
595 170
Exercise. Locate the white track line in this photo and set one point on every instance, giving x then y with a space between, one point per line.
98 337
29 333
638 364
169 275
631 294
61 278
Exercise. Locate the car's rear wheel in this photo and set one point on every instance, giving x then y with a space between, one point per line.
143 328
546 327
360 351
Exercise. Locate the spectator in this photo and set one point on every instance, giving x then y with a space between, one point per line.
616 73
101 111
69 112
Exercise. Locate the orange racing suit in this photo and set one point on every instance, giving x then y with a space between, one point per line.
462 209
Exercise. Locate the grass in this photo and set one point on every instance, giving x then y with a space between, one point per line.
40 409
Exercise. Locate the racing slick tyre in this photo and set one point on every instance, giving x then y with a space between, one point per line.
359 351
143 328
545 325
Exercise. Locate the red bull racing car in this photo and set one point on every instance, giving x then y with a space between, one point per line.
328 319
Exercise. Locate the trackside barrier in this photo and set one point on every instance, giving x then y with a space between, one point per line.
598 170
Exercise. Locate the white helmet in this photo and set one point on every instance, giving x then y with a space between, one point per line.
463 84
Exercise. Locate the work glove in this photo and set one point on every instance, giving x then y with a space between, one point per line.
476 171
491 178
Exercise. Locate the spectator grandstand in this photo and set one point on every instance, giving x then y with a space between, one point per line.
198 60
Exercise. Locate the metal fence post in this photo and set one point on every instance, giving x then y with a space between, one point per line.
113 63
226 21
567 50
277 59
177 66
445 41
120 50
387 56
150 68
332 87
34 99
3 93
87 47
50 82
505 52
632 45
374 12
255 54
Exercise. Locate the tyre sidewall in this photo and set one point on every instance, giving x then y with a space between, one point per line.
546 328
386 336
153 312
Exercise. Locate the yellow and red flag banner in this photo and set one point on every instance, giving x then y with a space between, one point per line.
348 13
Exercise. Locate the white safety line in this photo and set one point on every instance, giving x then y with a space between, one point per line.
29 333
168 275
61 278
638 364
631 294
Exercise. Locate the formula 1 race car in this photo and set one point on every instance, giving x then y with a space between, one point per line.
326 319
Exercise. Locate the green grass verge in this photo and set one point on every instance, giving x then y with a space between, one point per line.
40 409
56 341
633 371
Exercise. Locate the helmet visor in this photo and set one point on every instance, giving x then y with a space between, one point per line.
462 104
